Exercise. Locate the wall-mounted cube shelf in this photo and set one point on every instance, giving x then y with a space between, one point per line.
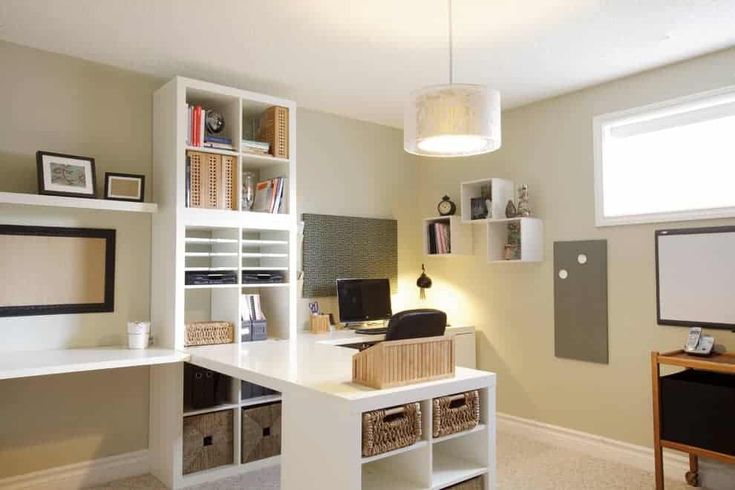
532 246
460 236
501 191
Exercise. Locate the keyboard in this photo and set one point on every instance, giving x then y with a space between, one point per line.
372 331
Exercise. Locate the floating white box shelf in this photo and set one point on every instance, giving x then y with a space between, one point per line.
501 190
460 236
532 249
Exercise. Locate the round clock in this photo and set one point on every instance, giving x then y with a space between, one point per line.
446 207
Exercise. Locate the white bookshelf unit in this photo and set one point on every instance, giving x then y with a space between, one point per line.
196 239
532 237
460 236
501 191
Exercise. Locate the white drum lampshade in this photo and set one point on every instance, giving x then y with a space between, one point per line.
452 120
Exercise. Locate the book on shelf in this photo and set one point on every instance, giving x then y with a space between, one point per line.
256 147
196 131
439 238
269 195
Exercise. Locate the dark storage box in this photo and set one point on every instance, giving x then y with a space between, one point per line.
204 388
251 390
697 409
261 432
207 441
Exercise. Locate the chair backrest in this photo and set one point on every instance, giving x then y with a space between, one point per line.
412 324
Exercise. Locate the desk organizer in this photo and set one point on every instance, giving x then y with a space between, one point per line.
455 413
319 323
261 432
390 428
403 362
207 441
209 333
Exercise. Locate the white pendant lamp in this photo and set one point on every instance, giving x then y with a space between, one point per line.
452 120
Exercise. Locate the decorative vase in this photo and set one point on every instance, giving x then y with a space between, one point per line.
248 191
510 209
524 209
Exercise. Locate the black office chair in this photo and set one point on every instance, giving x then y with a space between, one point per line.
412 324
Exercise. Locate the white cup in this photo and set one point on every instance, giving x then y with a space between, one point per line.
137 327
137 341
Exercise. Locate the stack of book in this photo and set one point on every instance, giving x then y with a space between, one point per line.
269 195
439 242
257 147
197 135
218 142
195 125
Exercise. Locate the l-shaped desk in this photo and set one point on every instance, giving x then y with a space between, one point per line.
322 416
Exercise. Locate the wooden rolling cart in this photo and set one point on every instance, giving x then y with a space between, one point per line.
717 363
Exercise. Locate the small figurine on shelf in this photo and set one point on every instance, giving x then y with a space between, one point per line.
524 210
510 209
512 250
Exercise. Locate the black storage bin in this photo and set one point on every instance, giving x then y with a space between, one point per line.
697 408
204 388
251 390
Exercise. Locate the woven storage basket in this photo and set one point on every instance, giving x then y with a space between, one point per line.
390 428
208 441
274 130
455 413
261 432
209 333
473 484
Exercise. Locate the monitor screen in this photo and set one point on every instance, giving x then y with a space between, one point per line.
695 277
363 300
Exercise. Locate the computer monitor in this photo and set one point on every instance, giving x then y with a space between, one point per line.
363 300
695 277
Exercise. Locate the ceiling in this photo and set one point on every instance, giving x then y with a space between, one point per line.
361 58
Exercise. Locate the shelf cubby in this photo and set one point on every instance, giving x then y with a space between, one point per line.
460 236
501 191
531 246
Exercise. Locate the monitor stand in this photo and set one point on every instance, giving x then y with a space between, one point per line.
371 328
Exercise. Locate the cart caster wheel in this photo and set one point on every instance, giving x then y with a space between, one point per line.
692 478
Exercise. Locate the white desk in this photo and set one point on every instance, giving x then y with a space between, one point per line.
45 362
322 416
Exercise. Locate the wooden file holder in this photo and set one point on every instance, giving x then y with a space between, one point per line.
403 362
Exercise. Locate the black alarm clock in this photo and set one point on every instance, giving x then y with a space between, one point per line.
446 207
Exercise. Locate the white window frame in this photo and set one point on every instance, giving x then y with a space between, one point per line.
599 124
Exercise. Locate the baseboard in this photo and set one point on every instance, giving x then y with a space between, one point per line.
80 475
714 475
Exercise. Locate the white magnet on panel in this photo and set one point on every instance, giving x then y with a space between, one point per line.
582 258
563 274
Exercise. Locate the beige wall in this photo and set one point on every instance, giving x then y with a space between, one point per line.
71 106
548 145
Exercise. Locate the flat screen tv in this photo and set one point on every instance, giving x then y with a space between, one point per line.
695 277
363 300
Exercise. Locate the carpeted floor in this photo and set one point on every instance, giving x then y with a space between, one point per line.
523 464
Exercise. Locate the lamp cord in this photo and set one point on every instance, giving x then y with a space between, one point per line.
451 61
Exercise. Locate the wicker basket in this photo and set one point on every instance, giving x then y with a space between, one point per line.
261 432
209 333
455 413
473 484
390 428
274 130
208 441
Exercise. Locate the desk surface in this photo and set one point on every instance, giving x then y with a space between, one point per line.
317 363
40 363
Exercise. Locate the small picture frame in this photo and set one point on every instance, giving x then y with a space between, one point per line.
124 187
478 208
65 175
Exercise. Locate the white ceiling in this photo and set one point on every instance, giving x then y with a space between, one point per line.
361 58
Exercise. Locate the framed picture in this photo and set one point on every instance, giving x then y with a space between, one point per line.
124 187
65 175
478 208
52 271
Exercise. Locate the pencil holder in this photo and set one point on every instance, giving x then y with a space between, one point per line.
319 323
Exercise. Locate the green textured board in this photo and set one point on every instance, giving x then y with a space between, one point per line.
580 300
347 247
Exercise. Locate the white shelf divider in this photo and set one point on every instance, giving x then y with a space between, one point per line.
22 199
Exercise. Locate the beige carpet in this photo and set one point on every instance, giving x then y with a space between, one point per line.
523 464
